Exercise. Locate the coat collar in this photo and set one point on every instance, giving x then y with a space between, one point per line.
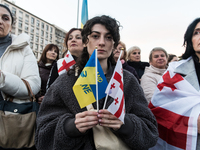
19 41
187 69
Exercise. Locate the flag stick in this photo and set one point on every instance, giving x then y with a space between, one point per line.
104 105
96 80
77 13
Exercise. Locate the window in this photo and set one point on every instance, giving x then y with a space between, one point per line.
20 24
31 45
26 27
32 37
19 31
38 23
46 35
27 18
36 47
42 33
50 36
41 48
32 20
37 31
20 15
37 39
51 29
42 25
13 30
6 5
47 27
32 29
42 41
13 11
46 42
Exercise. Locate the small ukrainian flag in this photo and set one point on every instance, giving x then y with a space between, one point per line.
85 86
84 14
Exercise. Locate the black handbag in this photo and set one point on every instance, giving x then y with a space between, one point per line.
18 122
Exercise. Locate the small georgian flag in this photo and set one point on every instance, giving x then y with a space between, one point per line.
115 90
67 63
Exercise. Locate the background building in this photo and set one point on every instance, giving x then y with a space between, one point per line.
41 32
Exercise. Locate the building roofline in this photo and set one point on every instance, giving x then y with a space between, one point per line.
32 14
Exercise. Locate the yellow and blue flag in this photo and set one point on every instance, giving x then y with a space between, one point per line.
85 86
84 14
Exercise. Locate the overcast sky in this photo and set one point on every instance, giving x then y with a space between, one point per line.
146 23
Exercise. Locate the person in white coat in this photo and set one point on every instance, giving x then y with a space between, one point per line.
16 62
152 74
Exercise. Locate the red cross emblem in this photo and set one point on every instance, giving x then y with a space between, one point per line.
116 101
112 86
169 82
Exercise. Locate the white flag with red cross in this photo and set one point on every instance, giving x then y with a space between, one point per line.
115 90
67 63
176 106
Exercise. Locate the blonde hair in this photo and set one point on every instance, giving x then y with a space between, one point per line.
131 49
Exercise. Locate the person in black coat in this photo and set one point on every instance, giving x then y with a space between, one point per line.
49 56
63 125
134 60
125 65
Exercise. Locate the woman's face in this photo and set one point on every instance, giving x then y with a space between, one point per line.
135 55
51 55
5 22
117 51
75 44
101 38
196 40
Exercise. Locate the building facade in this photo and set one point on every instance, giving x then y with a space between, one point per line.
41 32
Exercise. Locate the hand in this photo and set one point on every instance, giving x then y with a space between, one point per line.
40 99
86 120
198 124
107 119
122 61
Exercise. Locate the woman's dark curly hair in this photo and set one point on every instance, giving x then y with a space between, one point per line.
189 51
111 25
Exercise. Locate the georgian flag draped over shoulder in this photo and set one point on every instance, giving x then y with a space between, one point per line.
115 90
66 64
176 106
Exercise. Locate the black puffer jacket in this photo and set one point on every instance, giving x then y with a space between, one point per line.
44 75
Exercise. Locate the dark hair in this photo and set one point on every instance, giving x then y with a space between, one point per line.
170 57
43 57
189 51
111 25
67 35
1 5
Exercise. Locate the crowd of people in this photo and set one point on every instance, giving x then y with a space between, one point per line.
61 123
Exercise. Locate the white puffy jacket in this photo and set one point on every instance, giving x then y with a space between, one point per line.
18 62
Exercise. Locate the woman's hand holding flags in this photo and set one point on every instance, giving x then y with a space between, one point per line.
87 89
